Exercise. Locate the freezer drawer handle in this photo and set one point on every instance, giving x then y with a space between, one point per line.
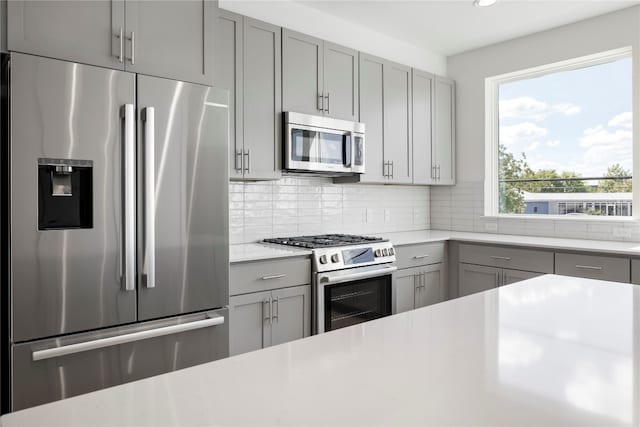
149 265
127 338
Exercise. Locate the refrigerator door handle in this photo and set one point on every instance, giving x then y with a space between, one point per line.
51 353
149 264
129 150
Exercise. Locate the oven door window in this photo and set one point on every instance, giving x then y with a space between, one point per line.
355 302
314 146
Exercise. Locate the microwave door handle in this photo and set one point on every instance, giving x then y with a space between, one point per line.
348 161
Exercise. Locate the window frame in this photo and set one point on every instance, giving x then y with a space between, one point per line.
492 130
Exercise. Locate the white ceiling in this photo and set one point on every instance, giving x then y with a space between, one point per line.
448 27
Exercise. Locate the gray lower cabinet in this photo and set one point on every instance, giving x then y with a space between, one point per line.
443 146
594 267
513 276
477 278
262 319
635 271
418 287
79 31
248 63
160 38
319 77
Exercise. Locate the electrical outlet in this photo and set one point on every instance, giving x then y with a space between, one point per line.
621 232
491 226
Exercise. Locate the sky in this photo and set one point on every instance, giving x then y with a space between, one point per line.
578 121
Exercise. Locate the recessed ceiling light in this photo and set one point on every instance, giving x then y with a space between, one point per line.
484 3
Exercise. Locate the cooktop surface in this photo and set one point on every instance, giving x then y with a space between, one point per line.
325 240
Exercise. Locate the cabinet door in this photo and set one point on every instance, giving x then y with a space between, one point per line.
79 31
444 131
477 278
262 100
249 322
341 82
405 288
513 276
372 115
227 74
422 88
291 314
397 121
431 290
635 271
302 68
171 38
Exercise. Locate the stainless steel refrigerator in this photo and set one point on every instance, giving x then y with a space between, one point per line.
118 218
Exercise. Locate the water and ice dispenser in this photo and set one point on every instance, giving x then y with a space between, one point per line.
65 194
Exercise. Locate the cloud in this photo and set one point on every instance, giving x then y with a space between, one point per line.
604 147
599 136
525 132
623 120
553 143
526 107
533 146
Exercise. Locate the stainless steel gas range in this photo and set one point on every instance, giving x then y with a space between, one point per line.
351 278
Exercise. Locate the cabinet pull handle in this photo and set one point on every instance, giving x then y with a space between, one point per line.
247 166
133 47
327 97
416 286
392 169
498 281
505 258
265 307
275 276
589 267
235 163
438 172
120 37
320 102
424 280
276 308
421 256
433 172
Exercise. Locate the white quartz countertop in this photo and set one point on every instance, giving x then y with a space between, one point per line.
260 251
549 351
263 251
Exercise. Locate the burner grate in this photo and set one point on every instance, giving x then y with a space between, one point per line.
324 240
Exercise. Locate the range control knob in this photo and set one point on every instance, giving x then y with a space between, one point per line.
391 251
385 252
323 259
335 258
378 253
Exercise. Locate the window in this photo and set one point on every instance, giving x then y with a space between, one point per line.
560 139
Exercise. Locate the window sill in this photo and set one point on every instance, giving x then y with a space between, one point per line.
589 218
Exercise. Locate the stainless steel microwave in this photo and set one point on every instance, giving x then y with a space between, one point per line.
322 144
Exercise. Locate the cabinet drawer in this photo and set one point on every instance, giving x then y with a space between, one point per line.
517 259
255 276
594 267
421 254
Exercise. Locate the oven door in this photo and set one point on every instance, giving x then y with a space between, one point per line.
317 149
348 297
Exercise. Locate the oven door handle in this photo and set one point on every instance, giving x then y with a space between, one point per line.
330 279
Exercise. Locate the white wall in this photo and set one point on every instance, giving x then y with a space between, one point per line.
450 207
296 206
298 17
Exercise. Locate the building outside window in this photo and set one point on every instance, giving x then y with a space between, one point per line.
561 139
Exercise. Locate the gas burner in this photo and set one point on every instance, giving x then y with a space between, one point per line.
325 240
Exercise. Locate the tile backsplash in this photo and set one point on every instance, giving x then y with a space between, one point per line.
297 206
461 208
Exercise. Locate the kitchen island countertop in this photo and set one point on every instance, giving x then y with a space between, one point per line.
551 350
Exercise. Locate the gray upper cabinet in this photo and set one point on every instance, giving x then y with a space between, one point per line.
172 38
318 77
262 103
228 72
372 115
161 38
302 65
424 171
443 146
248 63
340 82
80 31
397 123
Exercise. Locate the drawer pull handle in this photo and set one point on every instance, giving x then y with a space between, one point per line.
275 276
505 258
421 256
589 267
